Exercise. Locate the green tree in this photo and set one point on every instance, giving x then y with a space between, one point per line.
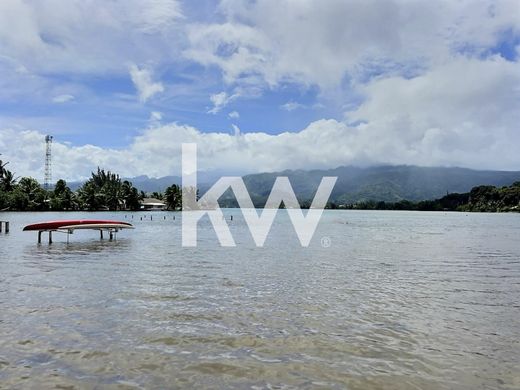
62 198
131 196
27 195
106 190
7 180
89 196
173 197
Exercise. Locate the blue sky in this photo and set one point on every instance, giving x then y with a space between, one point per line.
352 82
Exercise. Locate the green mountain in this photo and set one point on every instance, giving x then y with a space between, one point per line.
382 183
354 184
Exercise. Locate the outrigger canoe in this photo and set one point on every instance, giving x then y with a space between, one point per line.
73 224
68 226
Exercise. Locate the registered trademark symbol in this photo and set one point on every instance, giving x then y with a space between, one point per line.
325 242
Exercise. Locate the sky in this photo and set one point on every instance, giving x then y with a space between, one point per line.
258 85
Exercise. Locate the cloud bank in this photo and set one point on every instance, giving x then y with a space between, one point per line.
426 83
464 113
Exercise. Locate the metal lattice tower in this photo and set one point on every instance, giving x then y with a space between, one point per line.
48 173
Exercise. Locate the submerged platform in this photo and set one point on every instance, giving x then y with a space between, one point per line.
69 226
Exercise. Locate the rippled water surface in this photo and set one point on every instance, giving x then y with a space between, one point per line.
394 300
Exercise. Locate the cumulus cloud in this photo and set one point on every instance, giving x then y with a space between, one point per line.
157 151
142 79
309 43
62 98
418 83
464 113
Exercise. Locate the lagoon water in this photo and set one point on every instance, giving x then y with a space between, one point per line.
394 300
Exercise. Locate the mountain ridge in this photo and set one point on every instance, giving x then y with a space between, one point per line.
389 183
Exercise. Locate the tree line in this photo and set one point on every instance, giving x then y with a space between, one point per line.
104 190
479 199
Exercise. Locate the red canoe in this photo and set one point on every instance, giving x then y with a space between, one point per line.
77 223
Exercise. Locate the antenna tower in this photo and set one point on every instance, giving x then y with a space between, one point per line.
48 173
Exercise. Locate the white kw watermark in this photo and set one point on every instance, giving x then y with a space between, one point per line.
259 225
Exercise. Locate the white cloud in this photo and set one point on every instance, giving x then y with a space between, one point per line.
461 114
155 116
55 36
236 130
155 16
220 100
412 96
306 42
290 106
62 98
142 80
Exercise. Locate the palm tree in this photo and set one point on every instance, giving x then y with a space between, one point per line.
90 197
28 195
130 196
7 180
106 190
173 197
62 198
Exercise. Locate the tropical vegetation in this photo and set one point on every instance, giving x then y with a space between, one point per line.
105 190
480 198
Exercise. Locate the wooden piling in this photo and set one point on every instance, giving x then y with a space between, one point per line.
4 224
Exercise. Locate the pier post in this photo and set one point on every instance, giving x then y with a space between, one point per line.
50 236
7 226
40 237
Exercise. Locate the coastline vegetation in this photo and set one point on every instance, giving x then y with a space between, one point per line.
479 199
105 190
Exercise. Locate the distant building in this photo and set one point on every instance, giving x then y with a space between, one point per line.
152 204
